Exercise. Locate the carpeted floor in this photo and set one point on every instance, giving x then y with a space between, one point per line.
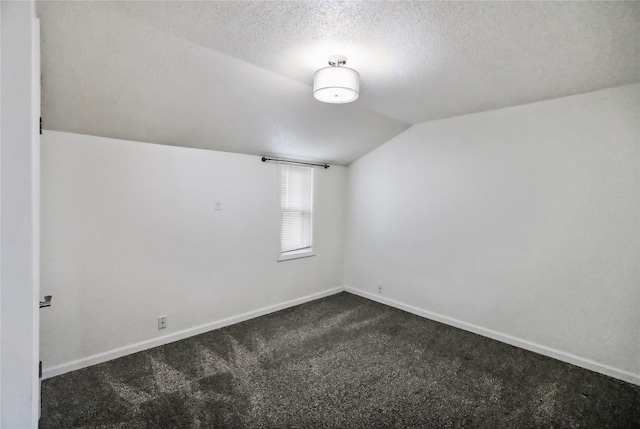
339 362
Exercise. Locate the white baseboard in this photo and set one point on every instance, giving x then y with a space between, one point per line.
523 344
527 345
148 344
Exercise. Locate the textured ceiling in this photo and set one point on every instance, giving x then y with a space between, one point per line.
237 76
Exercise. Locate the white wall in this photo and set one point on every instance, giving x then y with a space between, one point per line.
19 393
129 232
521 224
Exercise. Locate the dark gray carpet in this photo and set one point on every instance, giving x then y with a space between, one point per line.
339 362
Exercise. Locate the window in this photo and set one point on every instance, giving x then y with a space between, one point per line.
296 211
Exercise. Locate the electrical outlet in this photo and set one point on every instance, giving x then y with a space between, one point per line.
218 204
379 288
162 322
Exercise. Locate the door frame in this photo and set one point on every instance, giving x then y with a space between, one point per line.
19 222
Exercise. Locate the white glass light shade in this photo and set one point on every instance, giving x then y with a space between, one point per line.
336 85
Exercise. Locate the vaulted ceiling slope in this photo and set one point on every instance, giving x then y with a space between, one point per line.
237 76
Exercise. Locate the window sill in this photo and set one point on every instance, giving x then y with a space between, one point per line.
292 256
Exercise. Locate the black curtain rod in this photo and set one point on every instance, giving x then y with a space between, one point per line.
288 161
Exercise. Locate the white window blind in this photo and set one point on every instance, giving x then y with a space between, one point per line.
296 209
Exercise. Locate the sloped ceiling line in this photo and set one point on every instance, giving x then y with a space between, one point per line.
223 76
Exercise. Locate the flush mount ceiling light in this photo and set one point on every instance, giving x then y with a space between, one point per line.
336 84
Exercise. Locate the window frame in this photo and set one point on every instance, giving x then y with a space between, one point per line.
298 254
